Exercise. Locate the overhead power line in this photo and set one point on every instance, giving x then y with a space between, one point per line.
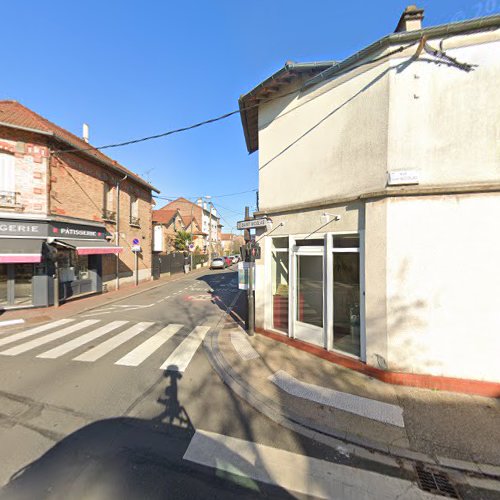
438 53
172 198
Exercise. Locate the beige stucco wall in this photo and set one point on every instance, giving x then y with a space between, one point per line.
332 139
341 137
445 122
443 271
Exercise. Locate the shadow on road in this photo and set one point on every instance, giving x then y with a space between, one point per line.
133 458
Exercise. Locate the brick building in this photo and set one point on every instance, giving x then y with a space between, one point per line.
60 215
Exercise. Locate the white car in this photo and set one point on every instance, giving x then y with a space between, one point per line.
218 263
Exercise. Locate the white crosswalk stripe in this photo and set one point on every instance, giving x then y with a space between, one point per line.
33 331
58 351
114 342
106 336
181 357
143 351
32 344
294 472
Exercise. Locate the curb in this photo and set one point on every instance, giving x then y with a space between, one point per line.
359 446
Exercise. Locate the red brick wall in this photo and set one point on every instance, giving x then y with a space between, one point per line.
78 191
30 153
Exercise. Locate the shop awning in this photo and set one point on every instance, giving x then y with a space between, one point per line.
90 247
20 251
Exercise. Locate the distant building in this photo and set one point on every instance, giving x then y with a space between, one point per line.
231 243
207 220
384 170
58 205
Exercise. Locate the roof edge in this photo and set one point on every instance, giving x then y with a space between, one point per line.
409 36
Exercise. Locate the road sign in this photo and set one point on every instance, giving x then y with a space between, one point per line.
254 223
136 248
191 247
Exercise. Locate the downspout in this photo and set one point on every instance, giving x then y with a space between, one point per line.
117 234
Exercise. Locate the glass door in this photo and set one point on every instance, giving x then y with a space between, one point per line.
308 324
23 284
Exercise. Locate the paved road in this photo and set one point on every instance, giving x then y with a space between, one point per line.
122 402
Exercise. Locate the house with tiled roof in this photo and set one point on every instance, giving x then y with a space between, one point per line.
67 209
206 217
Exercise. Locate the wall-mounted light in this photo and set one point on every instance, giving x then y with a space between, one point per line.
326 218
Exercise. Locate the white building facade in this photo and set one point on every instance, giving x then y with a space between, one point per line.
381 175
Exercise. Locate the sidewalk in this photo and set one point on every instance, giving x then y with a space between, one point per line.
87 303
329 402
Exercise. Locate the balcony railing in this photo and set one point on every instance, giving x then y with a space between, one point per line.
109 215
9 199
135 221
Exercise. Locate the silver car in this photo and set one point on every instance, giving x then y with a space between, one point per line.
218 263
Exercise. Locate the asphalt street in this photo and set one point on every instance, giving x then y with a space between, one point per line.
122 402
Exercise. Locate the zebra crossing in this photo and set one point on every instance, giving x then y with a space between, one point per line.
111 335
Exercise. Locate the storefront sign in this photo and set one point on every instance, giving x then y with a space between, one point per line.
254 223
43 229
19 228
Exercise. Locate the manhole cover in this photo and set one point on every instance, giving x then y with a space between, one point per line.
435 481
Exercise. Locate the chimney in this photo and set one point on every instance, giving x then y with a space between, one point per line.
85 132
410 20
199 202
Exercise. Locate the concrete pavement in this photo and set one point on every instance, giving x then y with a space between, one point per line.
92 412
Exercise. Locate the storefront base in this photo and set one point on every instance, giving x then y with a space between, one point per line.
451 384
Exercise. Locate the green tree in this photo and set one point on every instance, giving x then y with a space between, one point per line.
182 240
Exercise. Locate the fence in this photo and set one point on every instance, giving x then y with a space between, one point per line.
167 263
199 259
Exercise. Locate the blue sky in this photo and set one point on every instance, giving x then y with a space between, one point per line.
137 68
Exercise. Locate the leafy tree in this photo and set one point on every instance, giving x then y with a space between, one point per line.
182 240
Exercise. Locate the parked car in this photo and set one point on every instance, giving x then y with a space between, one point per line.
229 260
218 263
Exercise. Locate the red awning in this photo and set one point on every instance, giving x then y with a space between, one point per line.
91 247
20 251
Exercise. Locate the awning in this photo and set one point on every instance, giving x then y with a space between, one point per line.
89 247
20 251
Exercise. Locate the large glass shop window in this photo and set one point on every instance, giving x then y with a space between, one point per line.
346 294
72 266
279 269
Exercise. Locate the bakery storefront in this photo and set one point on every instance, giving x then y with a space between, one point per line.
39 259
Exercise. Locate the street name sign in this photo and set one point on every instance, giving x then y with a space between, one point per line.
254 223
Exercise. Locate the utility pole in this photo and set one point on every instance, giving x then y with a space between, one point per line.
250 260
210 234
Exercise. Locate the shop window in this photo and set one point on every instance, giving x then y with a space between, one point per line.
314 242
280 290
346 294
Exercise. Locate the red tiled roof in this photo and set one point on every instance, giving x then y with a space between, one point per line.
14 113
164 216
226 236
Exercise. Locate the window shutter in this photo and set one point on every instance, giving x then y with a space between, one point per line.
7 173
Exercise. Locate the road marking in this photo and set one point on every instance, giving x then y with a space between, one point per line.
293 472
143 351
13 351
79 341
9 322
106 347
33 331
242 346
181 357
365 407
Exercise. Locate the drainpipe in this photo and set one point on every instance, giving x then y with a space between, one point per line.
117 235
